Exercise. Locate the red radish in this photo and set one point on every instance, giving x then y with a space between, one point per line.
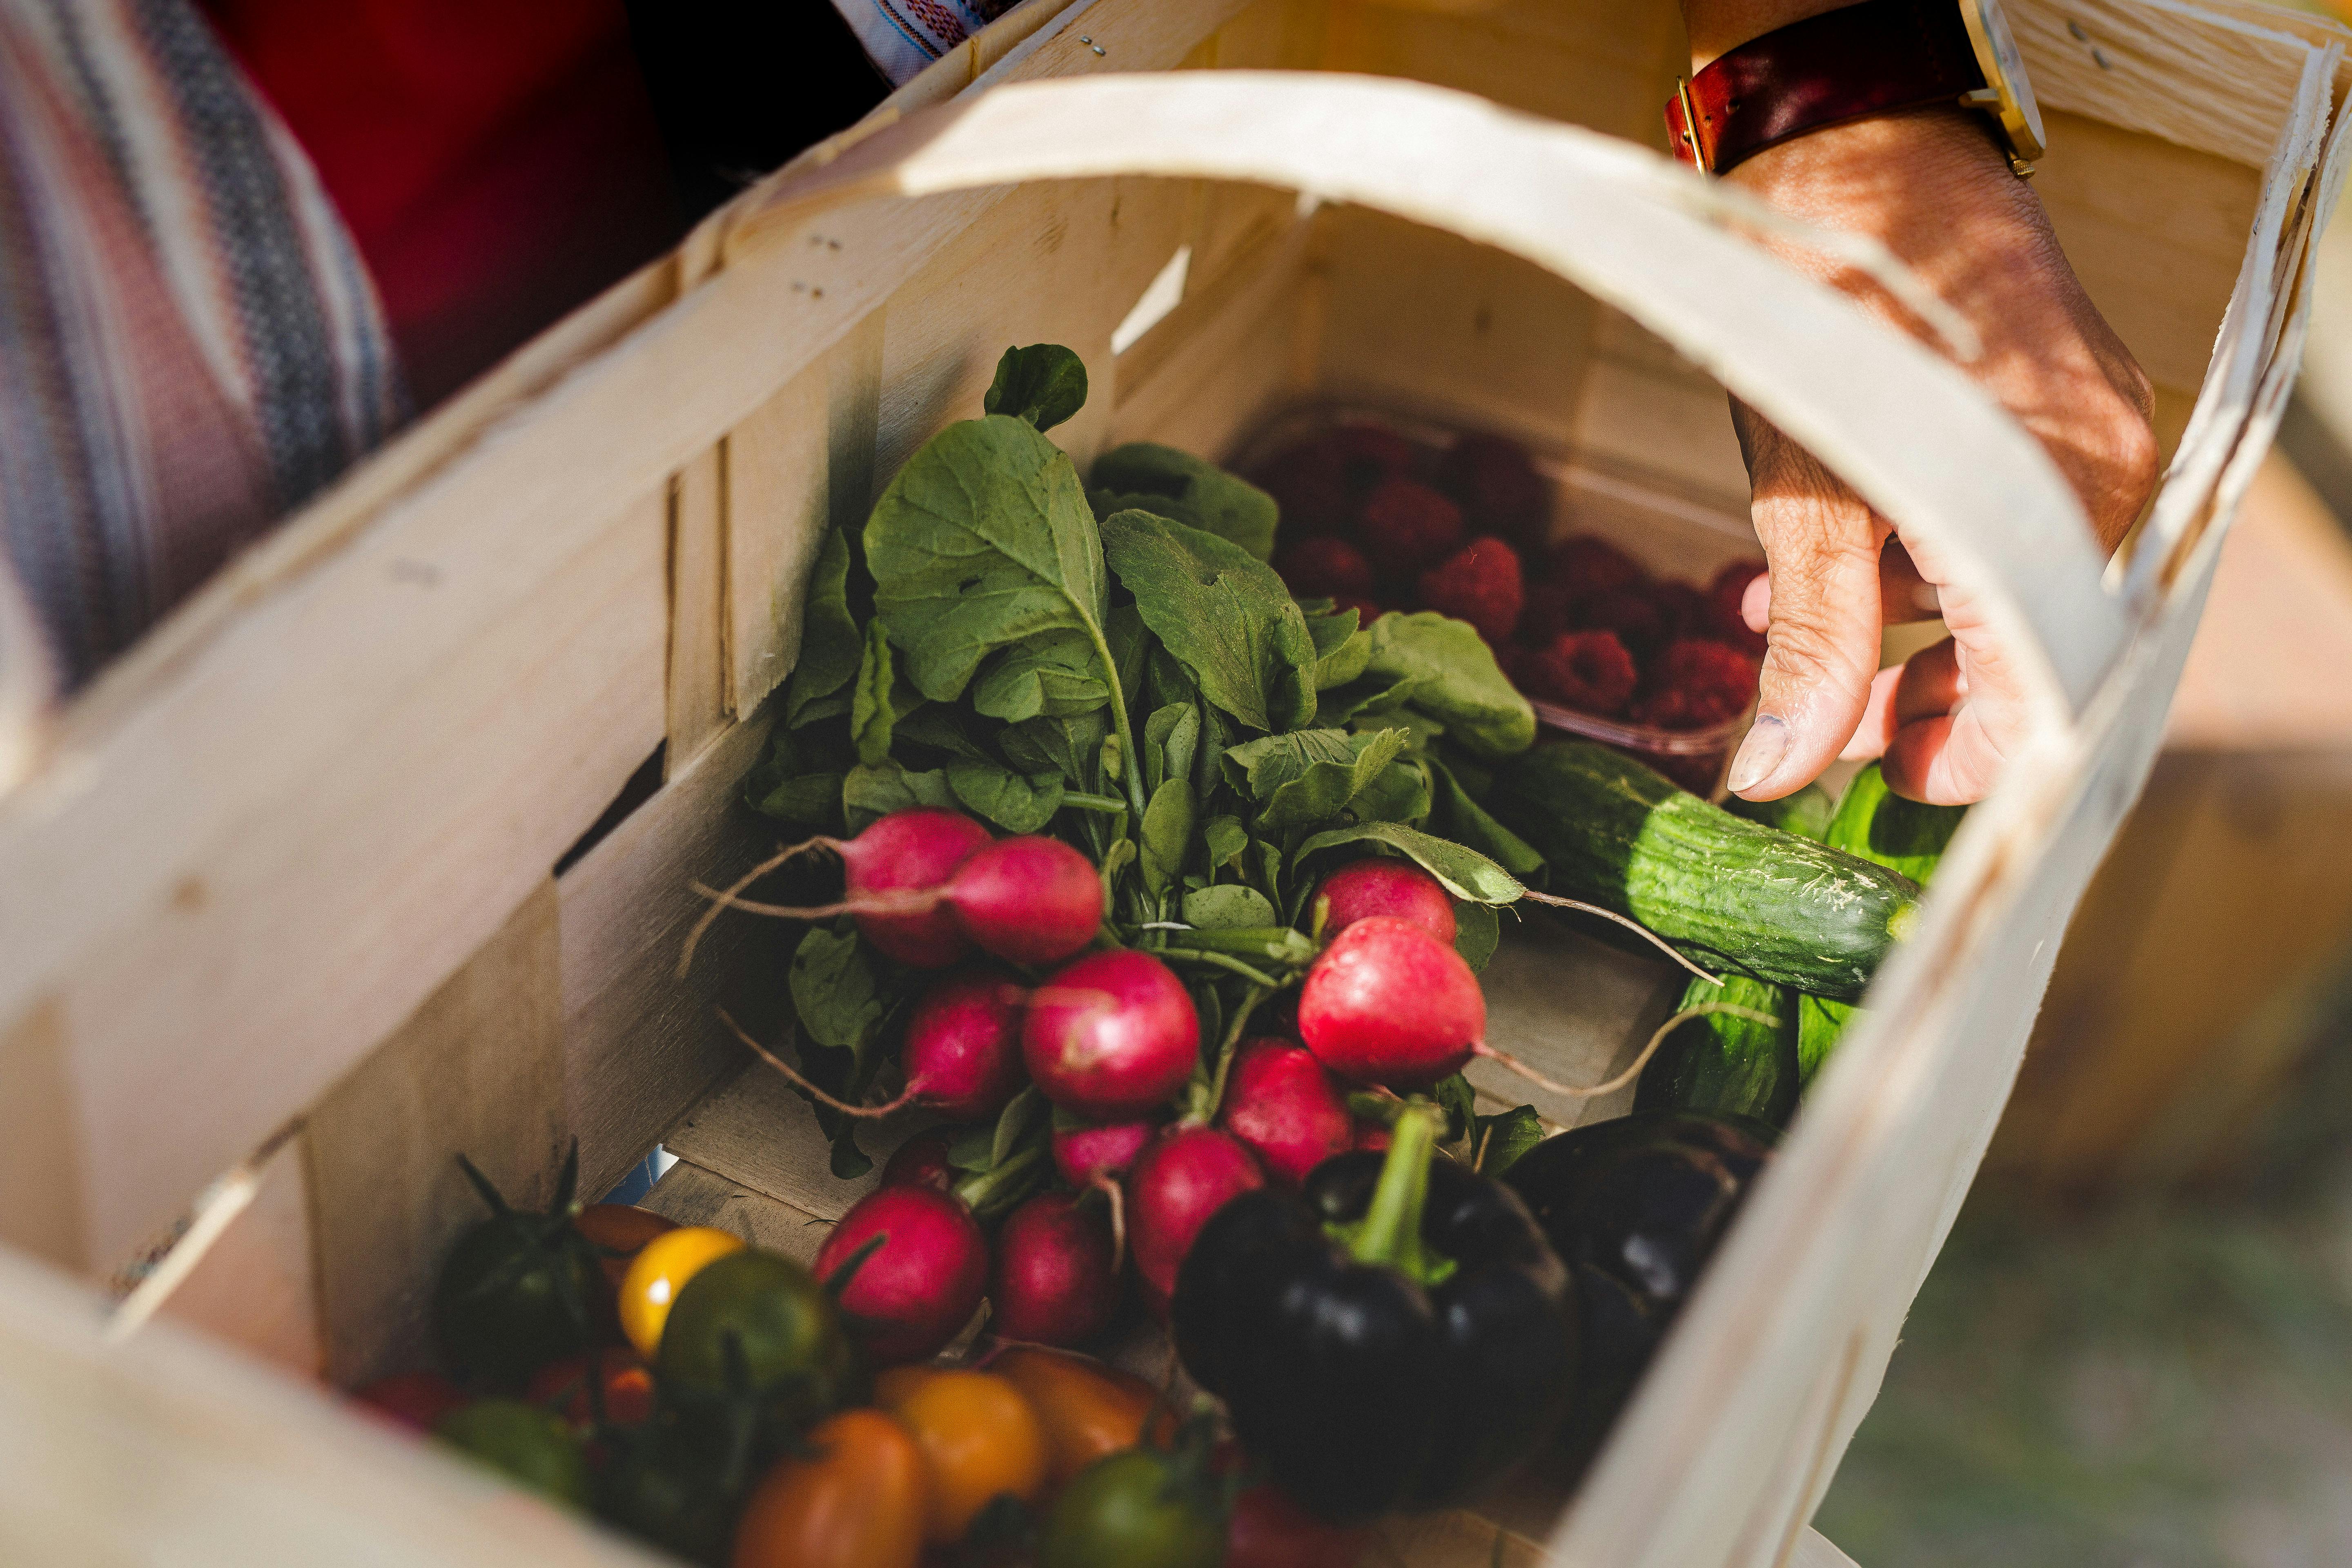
888 868
1030 899
1280 1102
922 1162
962 1051
1186 1176
1056 1279
1112 1035
1389 1004
921 1286
1374 1137
1380 885
1085 1155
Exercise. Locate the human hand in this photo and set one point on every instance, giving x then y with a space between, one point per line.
1934 188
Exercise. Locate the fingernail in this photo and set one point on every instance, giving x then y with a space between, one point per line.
1766 743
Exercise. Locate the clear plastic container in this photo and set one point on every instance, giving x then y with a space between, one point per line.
1671 532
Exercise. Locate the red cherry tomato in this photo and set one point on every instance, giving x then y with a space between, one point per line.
628 1388
412 1400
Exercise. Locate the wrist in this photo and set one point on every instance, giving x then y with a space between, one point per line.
1719 25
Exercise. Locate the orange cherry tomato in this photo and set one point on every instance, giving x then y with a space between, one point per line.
981 1436
855 1496
1087 1408
658 1272
622 1228
628 1388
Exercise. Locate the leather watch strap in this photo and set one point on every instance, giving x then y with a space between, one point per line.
1859 60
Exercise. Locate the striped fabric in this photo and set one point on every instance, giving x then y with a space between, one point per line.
189 346
902 36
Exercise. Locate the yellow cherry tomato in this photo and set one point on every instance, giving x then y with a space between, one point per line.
978 1433
850 1496
658 1272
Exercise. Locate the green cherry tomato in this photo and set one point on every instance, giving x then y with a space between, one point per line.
526 1445
792 1356
1133 1510
515 1293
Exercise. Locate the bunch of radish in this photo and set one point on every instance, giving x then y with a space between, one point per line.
1153 1127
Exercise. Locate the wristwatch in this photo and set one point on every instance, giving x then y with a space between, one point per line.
1871 59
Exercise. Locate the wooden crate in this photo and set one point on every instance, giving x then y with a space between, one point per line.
321 884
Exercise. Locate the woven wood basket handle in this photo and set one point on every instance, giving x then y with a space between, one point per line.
1974 494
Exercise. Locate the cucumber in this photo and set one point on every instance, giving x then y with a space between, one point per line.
1879 825
1725 1064
1805 813
1728 892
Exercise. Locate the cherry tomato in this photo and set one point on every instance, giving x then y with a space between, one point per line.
516 1291
618 1231
1139 1509
658 1272
521 1442
628 1388
1269 1530
790 1354
981 1439
855 1497
414 1400
1087 1409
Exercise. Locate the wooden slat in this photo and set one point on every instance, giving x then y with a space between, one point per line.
40 1159
257 1286
477 1071
692 1195
699 701
293 943
173 1450
2123 61
640 1045
776 514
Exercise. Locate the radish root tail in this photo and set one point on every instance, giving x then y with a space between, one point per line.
773 862
1118 1197
1657 1038
905 1099
1554 900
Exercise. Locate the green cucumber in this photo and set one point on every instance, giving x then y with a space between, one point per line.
1904 836
1722 889
1805 813
1725 1064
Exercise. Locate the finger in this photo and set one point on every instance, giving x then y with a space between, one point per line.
1955 722
1931 684
1823 647
1877 726
1904 594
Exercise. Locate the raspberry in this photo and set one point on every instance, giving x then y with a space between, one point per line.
1632 613
1480 584
1324 568
1499 488
1589 672
1586 565
1407 527
1696 685
1682 609
1722 620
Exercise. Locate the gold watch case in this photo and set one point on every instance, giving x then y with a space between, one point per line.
2007 96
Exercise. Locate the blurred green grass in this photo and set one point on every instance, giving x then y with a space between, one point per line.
2163 1381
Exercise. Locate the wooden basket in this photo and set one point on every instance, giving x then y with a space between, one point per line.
380 849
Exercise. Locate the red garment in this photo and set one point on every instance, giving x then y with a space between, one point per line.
497 160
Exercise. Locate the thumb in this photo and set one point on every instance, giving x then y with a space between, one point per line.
1823 544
